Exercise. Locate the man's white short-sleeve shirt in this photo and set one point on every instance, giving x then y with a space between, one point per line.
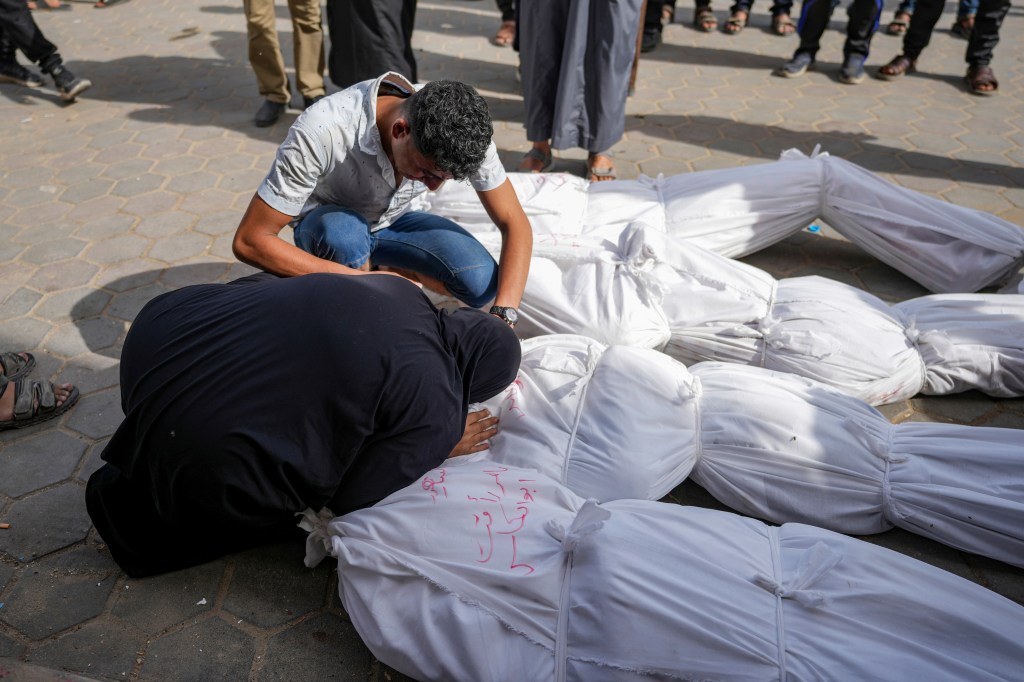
333 156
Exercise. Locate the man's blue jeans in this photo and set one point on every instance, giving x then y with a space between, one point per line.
416 241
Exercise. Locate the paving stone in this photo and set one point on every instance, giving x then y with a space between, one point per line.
9 650
129 274
57 307
43 523
219 222
120 248
151 203
295 590
325 647
157 603
92 462
25 332
208 650
20 302
97 415
51 596
52 251
126 305
85 335
106 227
165 224
100 649
39 461
97 209
180 247
198 272
963 407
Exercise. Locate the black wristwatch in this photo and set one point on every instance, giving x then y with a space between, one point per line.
508 314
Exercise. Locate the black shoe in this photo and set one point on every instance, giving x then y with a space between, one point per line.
796 67
68 86
307 102
268 113
852 71
651 38
13 72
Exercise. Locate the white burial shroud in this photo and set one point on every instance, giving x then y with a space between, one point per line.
483 572
736 211
619 422
654 292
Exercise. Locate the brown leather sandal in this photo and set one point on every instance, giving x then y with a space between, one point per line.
783 25
980 76
896 68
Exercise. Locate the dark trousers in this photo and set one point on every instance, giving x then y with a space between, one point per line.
508 12
984 36
369 38
19 28
814 18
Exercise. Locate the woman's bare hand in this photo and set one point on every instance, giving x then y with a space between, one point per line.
480 426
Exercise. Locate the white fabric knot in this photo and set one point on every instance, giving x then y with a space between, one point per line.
318 542
814 564
936 338
589 519
797 155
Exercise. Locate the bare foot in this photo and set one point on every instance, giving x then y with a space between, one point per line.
506 34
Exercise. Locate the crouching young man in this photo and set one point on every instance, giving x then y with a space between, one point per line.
350 166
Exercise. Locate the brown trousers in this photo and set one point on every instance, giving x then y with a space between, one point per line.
265 49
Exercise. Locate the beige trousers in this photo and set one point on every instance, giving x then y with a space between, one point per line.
265 50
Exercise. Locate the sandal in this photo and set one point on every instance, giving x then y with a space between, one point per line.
546 161
736 23
599 174
979 76
783 25
899 24
899 66
14 366
704 20
506 34
34 402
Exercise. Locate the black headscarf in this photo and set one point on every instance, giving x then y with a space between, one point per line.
486 352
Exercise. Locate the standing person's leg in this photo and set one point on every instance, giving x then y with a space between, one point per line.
814 16
10 70
608 57
922 23
739 13
965 13
507 30
782 21
542 37
863 22
439 254
901 19
980 78
21 30
308 42
266 60
703 18
369 37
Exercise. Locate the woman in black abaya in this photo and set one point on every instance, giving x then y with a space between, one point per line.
248 402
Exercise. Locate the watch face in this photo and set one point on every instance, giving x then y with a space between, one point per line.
512 315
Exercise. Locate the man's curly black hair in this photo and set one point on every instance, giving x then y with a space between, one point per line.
451 125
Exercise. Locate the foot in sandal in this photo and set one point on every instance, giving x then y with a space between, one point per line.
704 19
25 401
538 159
981 80
899 24
506 34
736 23
600 167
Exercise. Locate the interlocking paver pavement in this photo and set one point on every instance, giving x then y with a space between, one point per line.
137 188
